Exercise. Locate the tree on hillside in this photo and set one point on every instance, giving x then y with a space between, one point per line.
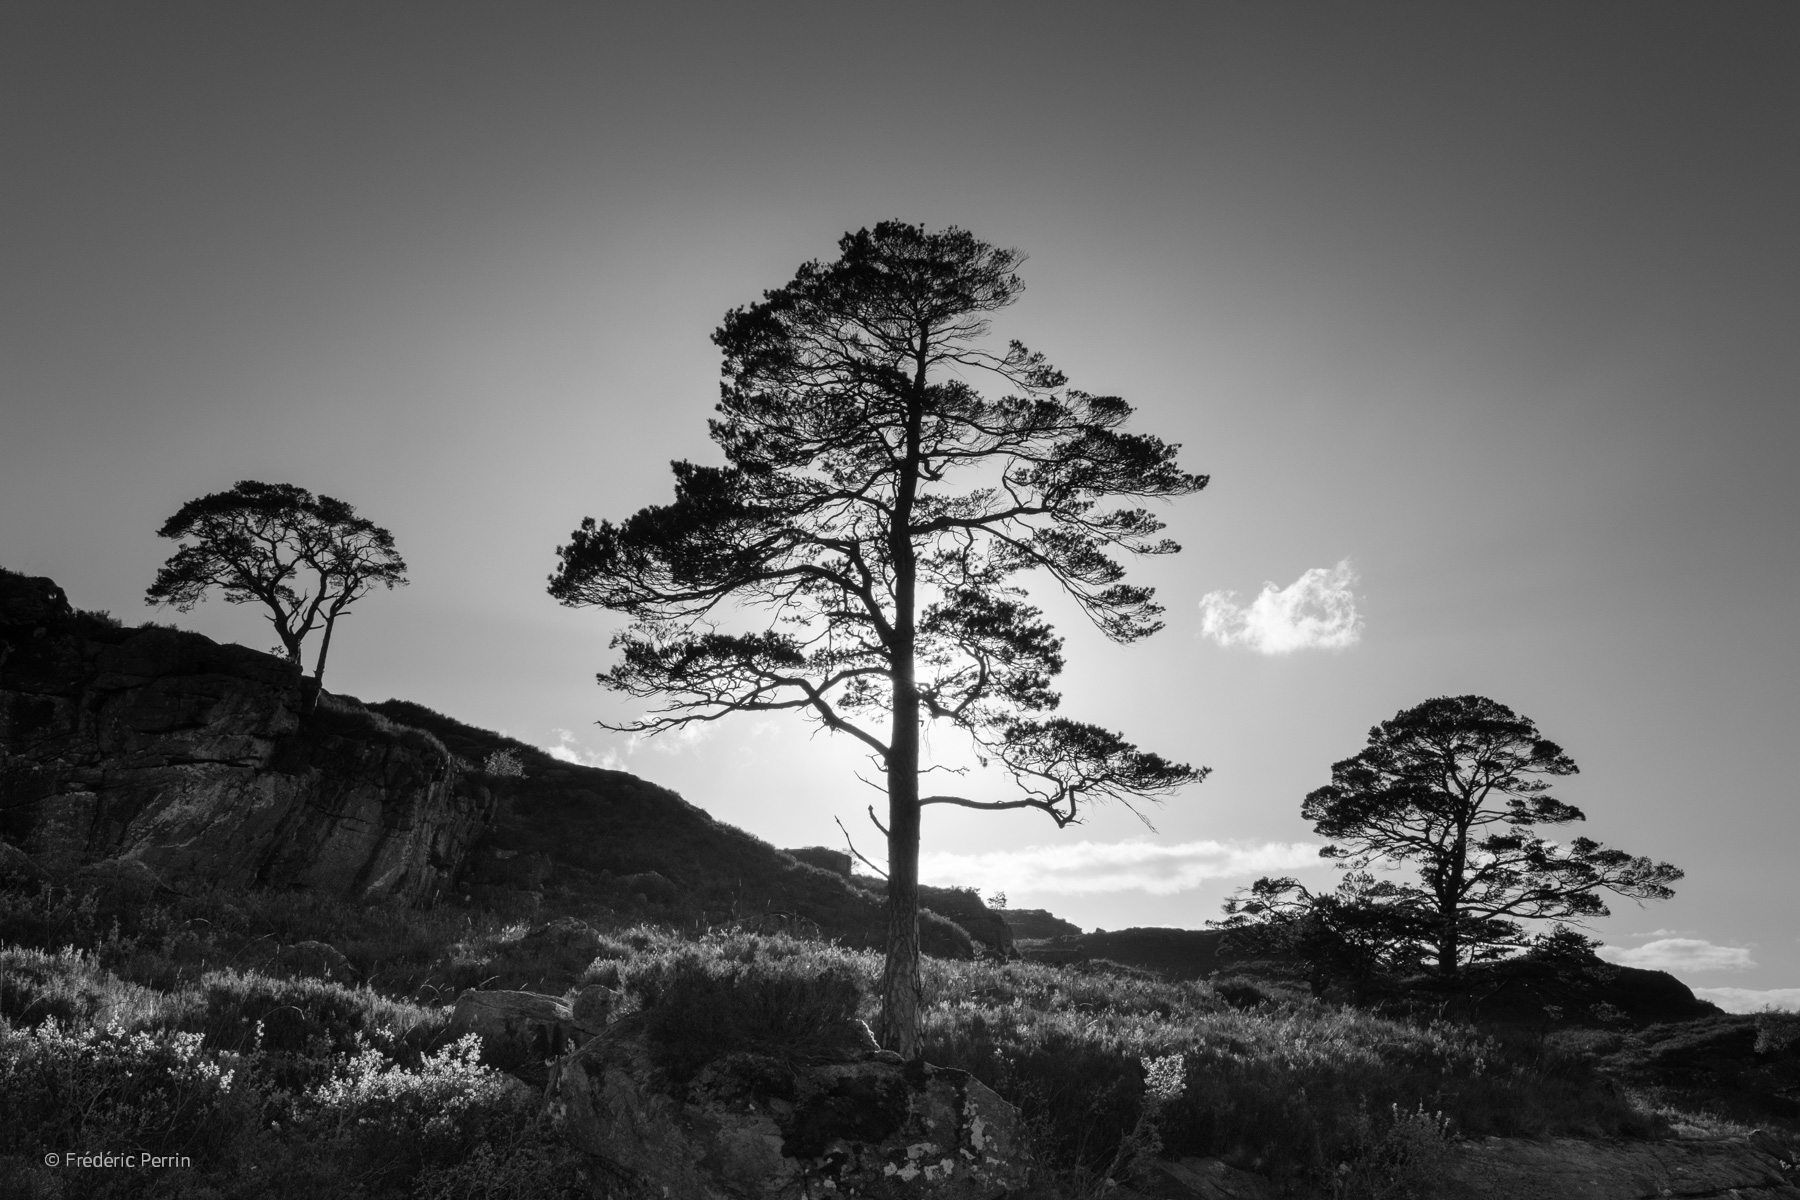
1456 786
305 558
888 596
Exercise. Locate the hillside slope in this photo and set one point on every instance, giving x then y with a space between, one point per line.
202 763
586 836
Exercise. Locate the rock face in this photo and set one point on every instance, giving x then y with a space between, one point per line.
195 760
751 1127
1037 924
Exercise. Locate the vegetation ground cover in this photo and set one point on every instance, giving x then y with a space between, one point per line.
161 1029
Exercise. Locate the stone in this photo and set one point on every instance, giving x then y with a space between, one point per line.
316 960
653 886
757 1126
520 1031
566 935
594 1005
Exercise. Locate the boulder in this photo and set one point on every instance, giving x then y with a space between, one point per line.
315 960
594 1005
565 936
649 886
549 957
520 1031
759 1126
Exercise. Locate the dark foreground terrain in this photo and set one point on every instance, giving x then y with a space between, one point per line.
258 949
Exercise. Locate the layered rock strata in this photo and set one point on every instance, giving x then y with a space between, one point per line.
196 760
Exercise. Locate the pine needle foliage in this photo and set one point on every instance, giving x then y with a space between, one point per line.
868 531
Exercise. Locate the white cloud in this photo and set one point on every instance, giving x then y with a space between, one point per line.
1084 868
675 740
1750 1000
1315 612
569 750
1679 954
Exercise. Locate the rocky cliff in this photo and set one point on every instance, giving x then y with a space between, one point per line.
194 759
155 749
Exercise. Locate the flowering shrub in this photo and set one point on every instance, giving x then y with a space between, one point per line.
450 1124
505 763
111 1088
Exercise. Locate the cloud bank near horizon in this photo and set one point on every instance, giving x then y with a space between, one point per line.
1315 612
1751 1000
1089 868
1677 954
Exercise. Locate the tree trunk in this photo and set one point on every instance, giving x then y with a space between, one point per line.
1449 944
319 665
901 990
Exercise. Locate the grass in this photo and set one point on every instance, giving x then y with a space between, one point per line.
181 1024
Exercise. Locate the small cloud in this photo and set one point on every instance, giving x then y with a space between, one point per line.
677 740
1751 1000
1315 612
569 750
1085 868
1681 954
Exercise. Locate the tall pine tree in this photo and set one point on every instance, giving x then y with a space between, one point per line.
877 508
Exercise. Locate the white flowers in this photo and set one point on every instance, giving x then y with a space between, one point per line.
1165 1078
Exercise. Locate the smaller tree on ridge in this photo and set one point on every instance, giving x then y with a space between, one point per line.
305 558
1456 786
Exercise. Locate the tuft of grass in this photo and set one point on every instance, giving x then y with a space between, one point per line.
71 989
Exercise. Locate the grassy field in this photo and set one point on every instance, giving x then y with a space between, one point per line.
193 1028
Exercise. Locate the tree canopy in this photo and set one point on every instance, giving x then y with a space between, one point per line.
305 558
1456 787
873 518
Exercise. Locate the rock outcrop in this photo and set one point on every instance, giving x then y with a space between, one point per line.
1037 924
196 761
754 1126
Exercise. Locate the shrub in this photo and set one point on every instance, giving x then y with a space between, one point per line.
111 1089
504 763
455 1127
71 989
313 1017
700 1008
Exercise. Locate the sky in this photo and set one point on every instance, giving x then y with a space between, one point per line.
1482 319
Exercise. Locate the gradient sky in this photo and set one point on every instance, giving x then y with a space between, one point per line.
1498 303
